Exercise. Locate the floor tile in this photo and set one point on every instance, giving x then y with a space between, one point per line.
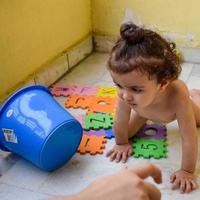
8 192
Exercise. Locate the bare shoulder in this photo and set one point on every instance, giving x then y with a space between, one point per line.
180 93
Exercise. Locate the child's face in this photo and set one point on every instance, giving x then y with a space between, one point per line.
136 89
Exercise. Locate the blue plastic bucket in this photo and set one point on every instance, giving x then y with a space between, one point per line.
34 126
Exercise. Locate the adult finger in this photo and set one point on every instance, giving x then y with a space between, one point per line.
152 191
147 169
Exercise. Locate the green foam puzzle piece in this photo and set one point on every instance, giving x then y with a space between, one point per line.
148 148
97 121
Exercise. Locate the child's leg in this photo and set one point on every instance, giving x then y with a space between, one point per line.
195 96
135 123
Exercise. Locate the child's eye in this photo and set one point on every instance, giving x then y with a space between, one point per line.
136 90
119 86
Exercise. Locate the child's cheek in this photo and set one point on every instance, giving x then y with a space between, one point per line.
120 95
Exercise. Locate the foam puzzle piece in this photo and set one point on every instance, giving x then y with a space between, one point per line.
85 90
92 103
109 133
159 131
62 89
97 121
100 132
107 91
102 104
148 148
76 101
79 118
92 144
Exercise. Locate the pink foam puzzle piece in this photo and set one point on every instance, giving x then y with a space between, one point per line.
79 118
85 90
61 89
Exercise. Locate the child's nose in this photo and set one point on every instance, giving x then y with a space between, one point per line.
127 96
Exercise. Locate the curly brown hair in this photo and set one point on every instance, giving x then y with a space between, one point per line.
146 51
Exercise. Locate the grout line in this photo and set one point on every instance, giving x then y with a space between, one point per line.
189 73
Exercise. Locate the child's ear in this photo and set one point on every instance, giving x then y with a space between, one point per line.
164 84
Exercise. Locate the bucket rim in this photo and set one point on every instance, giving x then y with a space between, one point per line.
12 96
20 91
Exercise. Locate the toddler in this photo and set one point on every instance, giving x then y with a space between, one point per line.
145 71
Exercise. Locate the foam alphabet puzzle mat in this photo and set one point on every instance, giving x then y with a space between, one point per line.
76 101
79 118
97 121
152 131
92 144
148 148
100 132
102 104
106 91
109 133
62 89
92 103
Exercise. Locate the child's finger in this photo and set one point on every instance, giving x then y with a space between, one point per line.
109 153
113 156
172 178
118 157
176 184
183 185
188 186
129 152
194 184
124 157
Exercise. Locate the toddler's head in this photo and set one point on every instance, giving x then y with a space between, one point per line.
145 51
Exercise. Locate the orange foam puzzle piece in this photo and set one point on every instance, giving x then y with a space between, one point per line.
92 144
76 101
102 104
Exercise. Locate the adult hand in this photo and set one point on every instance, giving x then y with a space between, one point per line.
126 184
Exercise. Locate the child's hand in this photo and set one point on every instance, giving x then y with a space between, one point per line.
120 153
184 180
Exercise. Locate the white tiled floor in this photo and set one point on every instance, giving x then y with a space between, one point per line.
21 180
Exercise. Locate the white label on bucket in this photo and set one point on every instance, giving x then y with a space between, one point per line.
10 135
9 113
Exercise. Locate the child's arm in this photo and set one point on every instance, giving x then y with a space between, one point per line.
122 118
184 178
122 150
